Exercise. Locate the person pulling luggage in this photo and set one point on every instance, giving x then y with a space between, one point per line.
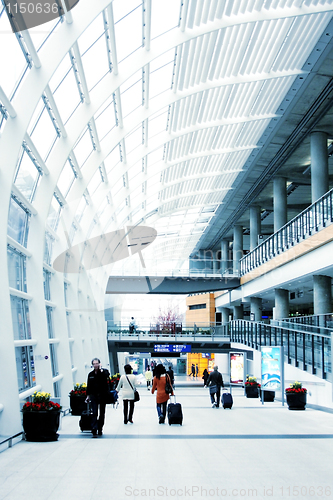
97 391
214 383
159 383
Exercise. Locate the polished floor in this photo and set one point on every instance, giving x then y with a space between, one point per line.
252 451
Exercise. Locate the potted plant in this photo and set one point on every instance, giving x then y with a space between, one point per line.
252 387
268 395
296 396
41 418
114 379
77 398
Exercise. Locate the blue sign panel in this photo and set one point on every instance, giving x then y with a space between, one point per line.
271 368
172 348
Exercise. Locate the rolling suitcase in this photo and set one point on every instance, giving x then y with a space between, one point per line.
226 400
175 414
86 418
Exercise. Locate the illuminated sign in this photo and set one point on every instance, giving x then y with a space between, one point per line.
271 368
236 368
172 348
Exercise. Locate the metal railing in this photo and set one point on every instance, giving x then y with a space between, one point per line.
303 349
316 320
312 220
202 331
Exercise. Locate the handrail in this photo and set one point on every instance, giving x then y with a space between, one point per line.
310 349
10 439
314 218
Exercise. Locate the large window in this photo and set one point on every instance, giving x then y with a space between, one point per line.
18 222
47 279
25 367
49 240
53 347
21 318
16 270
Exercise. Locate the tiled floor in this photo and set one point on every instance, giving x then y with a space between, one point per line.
251 451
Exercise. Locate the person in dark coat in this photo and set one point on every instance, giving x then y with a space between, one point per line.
97 390
214 383
192 370
171 375
205 376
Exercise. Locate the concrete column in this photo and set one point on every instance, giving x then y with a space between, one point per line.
256 308
238 312
224 255
322 294
255 226
237 247
280 202
281 303
319 165
225 311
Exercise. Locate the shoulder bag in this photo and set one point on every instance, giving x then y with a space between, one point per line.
136 394
168 386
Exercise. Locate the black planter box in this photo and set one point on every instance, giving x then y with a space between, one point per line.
296 400
78 404
269 396
41 425
252 391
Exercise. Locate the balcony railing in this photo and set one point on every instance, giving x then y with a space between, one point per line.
316 320
307 351
180 333
312 220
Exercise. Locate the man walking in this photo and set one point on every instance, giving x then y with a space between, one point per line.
97 390
214 383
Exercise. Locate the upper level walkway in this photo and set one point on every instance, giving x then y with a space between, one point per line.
253 451
309 230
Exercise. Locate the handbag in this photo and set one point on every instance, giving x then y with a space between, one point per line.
136 394
213 389
168 386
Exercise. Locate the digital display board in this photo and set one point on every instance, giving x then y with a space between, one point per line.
236 368
271 367
172 348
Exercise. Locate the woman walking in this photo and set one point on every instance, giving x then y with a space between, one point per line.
149 377
162 397
205 376
127 383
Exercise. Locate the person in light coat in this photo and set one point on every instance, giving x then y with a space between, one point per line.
149 376
127 384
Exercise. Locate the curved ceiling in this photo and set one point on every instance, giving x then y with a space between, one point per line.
150 112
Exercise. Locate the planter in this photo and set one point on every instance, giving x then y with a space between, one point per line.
268 396
41 425
252 391
77 404
296 400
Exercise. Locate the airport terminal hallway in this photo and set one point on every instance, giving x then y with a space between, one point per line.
252 451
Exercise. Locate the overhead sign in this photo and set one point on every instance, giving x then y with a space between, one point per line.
172 348
271 358
236 368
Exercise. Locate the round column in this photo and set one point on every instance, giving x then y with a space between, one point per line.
255 226
319 165
238 312
224 255
281 303
280 202
256 308
322 294
237 248
225 311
